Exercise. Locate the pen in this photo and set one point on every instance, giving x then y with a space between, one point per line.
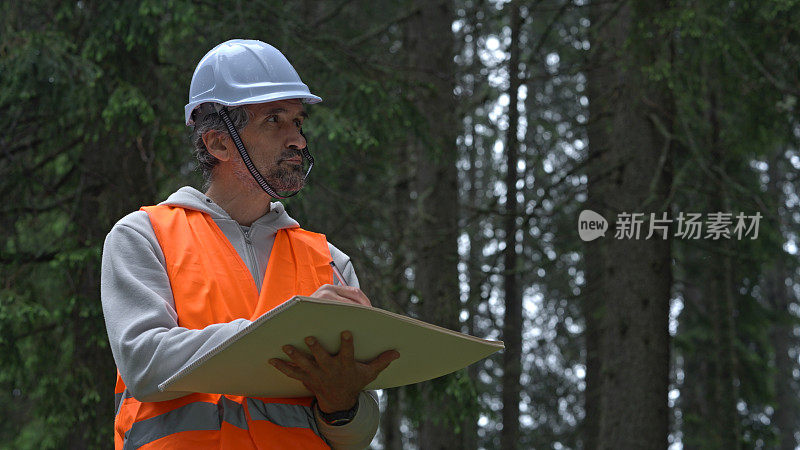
338 274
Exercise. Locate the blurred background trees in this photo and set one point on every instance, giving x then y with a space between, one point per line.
457 143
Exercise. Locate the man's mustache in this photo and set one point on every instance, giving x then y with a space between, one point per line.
290 153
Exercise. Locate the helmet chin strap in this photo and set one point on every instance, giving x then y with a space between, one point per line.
223 112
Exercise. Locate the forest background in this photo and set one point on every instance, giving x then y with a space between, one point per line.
456 146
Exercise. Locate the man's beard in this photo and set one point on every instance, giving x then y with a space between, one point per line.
282 175
285 176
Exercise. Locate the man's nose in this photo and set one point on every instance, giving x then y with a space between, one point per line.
296 140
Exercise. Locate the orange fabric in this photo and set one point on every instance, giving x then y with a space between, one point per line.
211 284
297 266
190 439
119 388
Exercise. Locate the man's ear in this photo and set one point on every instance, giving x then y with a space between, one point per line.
218 144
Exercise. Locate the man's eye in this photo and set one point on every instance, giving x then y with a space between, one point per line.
299 123
272 119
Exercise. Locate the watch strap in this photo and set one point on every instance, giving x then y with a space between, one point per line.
337 418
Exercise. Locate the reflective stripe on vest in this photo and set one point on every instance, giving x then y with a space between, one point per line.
119 398
282 414
199 258
192 417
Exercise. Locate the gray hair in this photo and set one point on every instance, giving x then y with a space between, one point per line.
206 119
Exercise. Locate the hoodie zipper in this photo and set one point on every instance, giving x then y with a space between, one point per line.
251 253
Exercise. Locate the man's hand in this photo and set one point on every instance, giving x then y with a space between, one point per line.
335 380
347 294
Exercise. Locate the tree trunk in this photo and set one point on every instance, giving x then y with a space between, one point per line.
785 417
627 304
398 292
430 47
512 316
390 423
776 292
694 399
720 294
469 423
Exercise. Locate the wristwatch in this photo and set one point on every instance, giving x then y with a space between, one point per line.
337 418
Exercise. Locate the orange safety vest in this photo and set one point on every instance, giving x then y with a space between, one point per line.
211 284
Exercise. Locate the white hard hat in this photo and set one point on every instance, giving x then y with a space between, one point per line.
242 72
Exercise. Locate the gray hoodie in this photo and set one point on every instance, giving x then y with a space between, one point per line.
146 341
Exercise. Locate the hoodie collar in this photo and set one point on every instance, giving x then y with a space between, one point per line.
190 198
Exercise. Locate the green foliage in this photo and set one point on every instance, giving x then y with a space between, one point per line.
92 103
127 105
92 99
728 114
456 391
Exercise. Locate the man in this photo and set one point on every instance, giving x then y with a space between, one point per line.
185 275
